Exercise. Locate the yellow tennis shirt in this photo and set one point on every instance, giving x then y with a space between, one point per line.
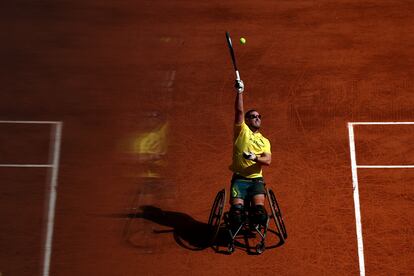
247 140
150 143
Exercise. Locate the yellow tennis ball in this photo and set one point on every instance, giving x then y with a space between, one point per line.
242 40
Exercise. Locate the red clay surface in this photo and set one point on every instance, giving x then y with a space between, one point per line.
103 67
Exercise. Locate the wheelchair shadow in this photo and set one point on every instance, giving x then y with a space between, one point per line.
188 232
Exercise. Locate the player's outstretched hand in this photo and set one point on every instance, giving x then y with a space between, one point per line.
239 85
249 155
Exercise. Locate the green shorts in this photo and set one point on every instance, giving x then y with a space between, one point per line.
246 188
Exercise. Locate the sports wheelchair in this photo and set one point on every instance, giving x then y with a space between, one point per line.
219 224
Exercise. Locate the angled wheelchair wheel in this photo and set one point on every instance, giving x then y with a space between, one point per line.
277 214
216 215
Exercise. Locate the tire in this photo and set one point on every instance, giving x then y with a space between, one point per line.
277 215
216 215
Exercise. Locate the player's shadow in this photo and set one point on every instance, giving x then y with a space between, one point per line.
188 232
192 234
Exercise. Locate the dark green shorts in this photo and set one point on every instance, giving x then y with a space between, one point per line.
245 188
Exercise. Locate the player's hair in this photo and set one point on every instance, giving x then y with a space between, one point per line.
248 112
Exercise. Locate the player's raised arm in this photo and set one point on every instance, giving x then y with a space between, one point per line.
238 105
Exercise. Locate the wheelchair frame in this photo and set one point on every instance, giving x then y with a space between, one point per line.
216 222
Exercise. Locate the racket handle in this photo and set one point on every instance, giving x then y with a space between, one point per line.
237 75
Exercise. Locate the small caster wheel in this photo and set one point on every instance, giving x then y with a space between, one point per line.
230 249
260 248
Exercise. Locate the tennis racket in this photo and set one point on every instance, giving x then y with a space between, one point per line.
233 58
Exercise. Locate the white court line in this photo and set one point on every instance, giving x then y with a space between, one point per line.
381 123
356 200
385 166
57 137
25 166
355 168
29 122
55 143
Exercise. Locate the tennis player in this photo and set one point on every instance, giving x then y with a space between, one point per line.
251 151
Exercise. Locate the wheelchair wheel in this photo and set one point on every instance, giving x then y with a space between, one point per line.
216 214
277 215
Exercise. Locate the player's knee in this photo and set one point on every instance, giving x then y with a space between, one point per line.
237 214
259 215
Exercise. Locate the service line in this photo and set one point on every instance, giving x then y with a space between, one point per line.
381 123
25 166
385 166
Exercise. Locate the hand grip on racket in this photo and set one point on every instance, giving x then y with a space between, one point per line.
239 85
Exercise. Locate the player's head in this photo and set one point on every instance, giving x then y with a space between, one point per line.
253 119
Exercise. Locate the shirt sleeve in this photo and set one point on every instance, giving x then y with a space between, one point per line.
267 147
238 129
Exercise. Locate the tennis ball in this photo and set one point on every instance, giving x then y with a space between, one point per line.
242 40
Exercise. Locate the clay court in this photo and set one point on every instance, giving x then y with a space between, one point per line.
85 84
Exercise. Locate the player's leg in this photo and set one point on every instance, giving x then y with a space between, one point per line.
237 195
236 214
259 214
